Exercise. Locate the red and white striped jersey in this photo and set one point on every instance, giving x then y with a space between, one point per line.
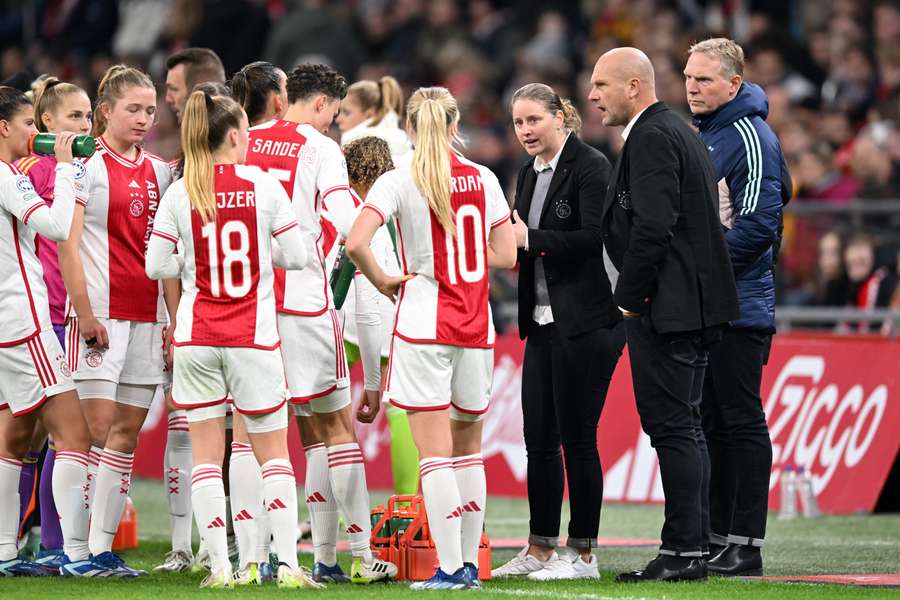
23 295
120 199
447 301
227 279
311 168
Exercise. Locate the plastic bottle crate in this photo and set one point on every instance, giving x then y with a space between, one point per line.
400 534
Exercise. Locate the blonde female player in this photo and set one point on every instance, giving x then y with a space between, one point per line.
226 340
453 225
36 381
58 107
115 338
374 108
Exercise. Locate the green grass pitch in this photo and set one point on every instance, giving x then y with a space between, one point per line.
857 544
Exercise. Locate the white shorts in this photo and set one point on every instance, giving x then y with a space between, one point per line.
261 423
435 377
134 356
33 371
333 402
207 376
315 364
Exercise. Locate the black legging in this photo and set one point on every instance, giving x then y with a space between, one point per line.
564 385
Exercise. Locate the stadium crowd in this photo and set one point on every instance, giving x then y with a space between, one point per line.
831 71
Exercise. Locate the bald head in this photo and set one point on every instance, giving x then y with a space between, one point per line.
622 85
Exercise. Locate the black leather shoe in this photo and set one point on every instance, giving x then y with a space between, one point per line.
668 568
715 550
737 560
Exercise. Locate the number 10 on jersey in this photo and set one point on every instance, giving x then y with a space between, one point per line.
232 255
467 215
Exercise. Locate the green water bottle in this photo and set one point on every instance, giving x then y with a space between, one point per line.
341 276
44 143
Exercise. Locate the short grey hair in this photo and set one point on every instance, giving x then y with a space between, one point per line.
729 53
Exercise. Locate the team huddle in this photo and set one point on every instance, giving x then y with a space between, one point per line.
204 283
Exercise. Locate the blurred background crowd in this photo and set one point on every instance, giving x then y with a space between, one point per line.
831 70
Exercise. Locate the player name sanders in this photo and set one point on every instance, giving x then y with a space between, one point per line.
240 199
276 148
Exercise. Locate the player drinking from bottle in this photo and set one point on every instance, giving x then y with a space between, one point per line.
37 384
453 225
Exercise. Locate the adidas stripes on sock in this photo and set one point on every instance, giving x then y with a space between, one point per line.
281 505
348 482
470 480
208 502
246 500
444 509
322 507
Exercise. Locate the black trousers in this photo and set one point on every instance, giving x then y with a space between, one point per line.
564 385
740 450
667 372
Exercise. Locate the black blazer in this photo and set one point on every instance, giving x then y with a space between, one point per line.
569 240
661 226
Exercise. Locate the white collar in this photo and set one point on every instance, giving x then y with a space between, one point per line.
631 123
540 165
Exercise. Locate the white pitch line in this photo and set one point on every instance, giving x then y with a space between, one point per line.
555 594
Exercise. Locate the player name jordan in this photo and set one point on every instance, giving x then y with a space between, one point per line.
238 199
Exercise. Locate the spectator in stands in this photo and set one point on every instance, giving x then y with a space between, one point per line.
870 286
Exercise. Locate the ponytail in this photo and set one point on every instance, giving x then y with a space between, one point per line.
253 85
207 120
198 162
390 98
48 95
116 79
431 113
544 95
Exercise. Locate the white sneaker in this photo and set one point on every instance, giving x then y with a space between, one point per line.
523 564
569 565
176 561
219 580
203 561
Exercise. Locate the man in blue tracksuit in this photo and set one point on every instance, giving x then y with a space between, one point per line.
753 184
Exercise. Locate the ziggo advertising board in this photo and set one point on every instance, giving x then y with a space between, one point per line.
833 406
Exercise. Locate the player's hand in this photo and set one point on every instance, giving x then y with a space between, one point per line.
63 146
94 333
519 229
368 406
168 335
390 286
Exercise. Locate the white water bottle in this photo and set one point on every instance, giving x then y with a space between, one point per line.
808 503
788 493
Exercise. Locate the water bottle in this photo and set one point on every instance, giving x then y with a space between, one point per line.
788 494
44 143
808 503
341 276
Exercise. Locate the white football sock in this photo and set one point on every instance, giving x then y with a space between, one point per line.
110 494
470 480
178 463
208 501
322 507
10 471
281 504
246 499
443 506
348 482
93 465
69 480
